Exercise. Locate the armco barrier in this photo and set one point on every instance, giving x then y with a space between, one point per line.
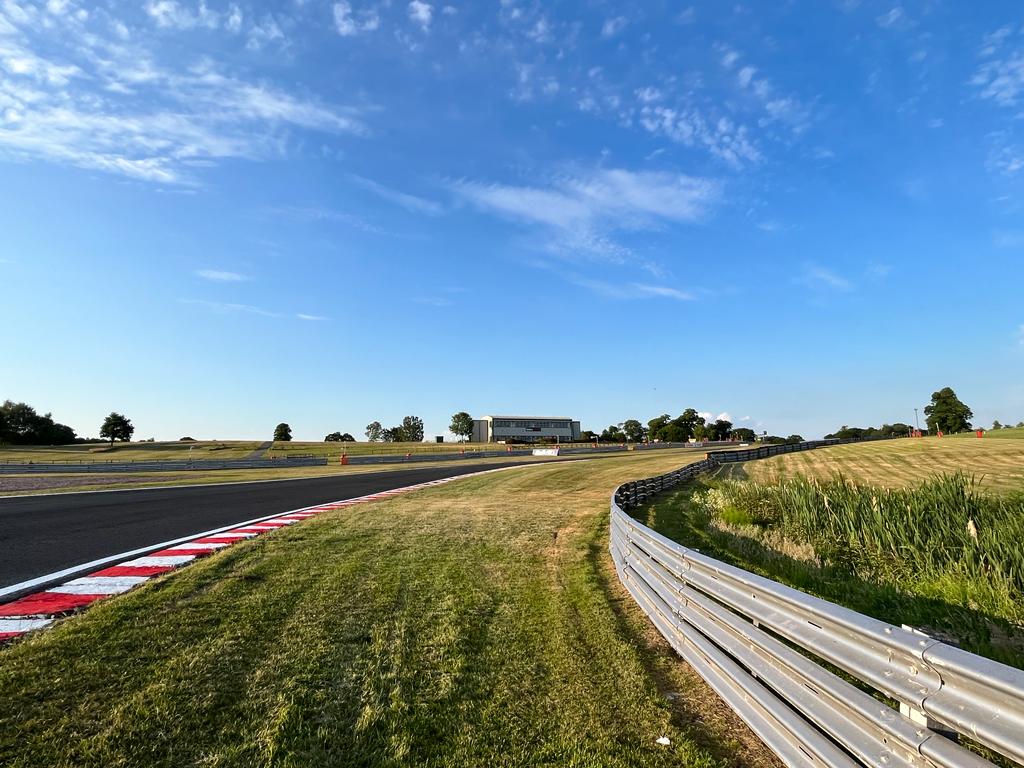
758 644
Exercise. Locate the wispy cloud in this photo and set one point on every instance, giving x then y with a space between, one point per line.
817 276
228 308
221 276
613 26
106 104
412 203
1000 78
628 291
349 23
582 211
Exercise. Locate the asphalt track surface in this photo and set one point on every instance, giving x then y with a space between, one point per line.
43 534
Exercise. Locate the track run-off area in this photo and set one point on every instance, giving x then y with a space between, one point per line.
47 534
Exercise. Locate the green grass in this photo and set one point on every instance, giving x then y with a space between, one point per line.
473 624
210 449
997 464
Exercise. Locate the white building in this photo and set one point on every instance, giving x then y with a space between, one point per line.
525 429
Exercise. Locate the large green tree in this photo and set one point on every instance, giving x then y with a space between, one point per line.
634 430
720 429
282 433
412 429
947 413
656 426
374 431
117 427
462 425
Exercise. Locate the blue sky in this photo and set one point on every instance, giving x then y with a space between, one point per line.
220 215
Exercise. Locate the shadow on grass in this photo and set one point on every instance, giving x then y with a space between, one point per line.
676 516
712 726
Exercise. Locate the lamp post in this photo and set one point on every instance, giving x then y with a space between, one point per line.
917 424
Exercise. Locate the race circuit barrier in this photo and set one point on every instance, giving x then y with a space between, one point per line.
760 645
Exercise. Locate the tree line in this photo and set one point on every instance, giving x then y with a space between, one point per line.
689 424
21 424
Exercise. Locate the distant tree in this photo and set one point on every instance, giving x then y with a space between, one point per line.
462 425
392 435
701 432
412 429
745 435
334 437
996 424
773 439
793 439
117 427
1020 424
588 436
634 431
187 440
685 424
374 431
947 413
656 426
613 434
346 437
282 433
720 429
3 427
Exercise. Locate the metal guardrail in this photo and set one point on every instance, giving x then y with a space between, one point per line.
760 644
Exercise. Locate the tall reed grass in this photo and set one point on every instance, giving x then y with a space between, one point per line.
944 533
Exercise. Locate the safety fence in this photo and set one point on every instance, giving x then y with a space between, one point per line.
766 649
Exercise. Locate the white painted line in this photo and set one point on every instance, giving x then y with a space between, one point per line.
23 625
166 560
217 545
235 535
99 585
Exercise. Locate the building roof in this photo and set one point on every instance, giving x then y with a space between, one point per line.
529 418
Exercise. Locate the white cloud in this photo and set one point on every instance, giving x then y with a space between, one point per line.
264 32
303 316
892 18
233 23
411 203
225 308
174 15
620 291
816 276
721 137
422 13
729 58
220 276
582 210
1002 80
745 75
614 26
128 115
349 24
1020 335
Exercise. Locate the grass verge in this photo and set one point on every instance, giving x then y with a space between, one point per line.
464 625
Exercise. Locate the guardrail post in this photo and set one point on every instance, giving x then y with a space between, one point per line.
921 718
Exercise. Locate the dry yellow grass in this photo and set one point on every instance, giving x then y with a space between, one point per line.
997 464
